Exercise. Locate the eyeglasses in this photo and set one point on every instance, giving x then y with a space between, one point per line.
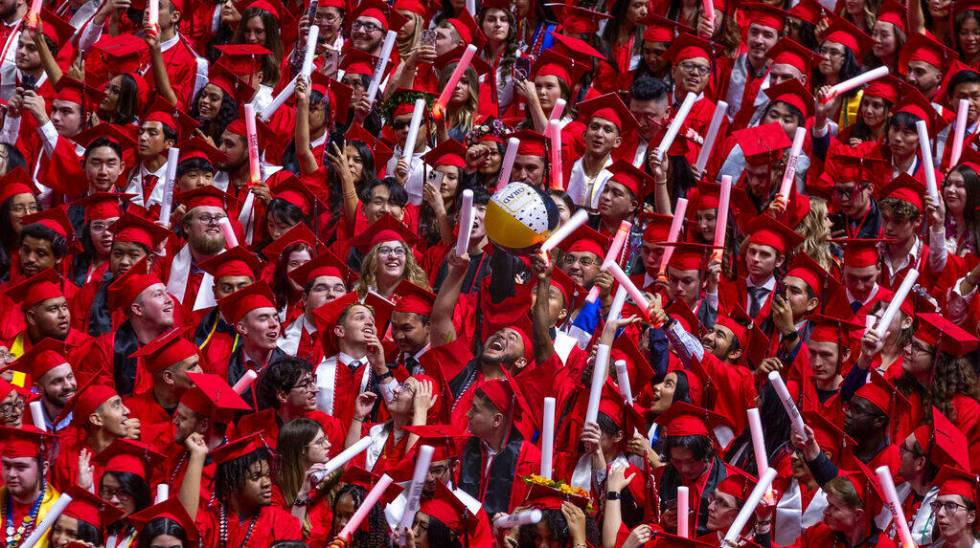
949 506
399 124
366 26
120 495
305 385
569 260
327 18
23 209
320 442
210 219
694 68
847 192
12 408
830 52
393 251
100 226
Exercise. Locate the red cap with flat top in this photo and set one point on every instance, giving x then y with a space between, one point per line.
124 290
385 229
25 441
14 182
808 270
239 448
236 306
888 88
410 297
924 48
204 196
635 180
757 13
790 52
300 232
90 508
954 481
906 188
793 93
42 357
914 103
122 53
449 153
843 32
133 229
579 20
936 330
684 419
374 9
211 396
688 46
552 63
763 144
87 400
166 350
130 457
892 11
658 228
532 143
770 232
324 264
36 289
102 205
55 219
170 509
586 239
610 108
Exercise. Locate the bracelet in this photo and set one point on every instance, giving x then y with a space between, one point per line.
613 495
358 419
301 502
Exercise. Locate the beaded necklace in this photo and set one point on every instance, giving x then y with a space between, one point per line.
223 528
14 536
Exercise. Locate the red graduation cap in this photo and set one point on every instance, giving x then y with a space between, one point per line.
576 48
705 196
579 20
299 233
449 153
906 188
888 88
171 509
444 438
860 252
913 102
924 48
14 182
809 11
243 60
385 229
808 270
552 63
124 290
382 152
447 62
684 419
87 399
790 52
765 15
166 350
634 179
197 148
832 329
327 316
866 485
793 93
133 229
688 46
446 507
212 396
124 136
55 219
610 108
763 144
291 190
829 436
339 94
130 457
122 53
90 508
738 483
356 61
236 306
239 448
943 442
892 11
413 298
935 330
586 239
657 228
229 82
843 32
374 9
658 28
204 196
954 481
42 357
324 264
25 441
102 205
532 143
689 255
36 289
879 393
73 91
768 231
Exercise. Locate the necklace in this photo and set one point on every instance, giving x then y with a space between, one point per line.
223 528
14 536
180 462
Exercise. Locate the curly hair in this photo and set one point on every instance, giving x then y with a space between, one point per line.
950 376
900 209
214 127
230 476
273 41
413 272
558 526
816 235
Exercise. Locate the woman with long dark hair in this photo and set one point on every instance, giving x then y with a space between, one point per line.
17 200
874 112
261 27
499 25
624 33
841 47
960 192
889 33
303 450
214 107
166 524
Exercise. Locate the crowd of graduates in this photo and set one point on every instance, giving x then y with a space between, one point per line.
257 285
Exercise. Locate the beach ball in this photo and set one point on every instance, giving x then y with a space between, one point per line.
520 217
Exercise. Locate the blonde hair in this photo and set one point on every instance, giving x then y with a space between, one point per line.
406 45
816 235
463 116
413 272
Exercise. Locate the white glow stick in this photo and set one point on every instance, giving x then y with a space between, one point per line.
252 136
548 438
869 322
524 517
760 489
558 236
49 518
413 131
712 135
680 210
461 66
896 303
279 100
245 382
37 415
962 110
557 110
638 297
311 37
758 439
788 404
508 165
471 7
927 164
675 125
894 505
230 239
612 255
163 493
466 219
616 308
683 508
153 13
372 498
379 71
422 461
599 372
721 219
623 380
346 455
557 176
857 81
789 176
166 204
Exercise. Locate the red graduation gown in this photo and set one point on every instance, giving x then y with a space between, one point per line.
271 525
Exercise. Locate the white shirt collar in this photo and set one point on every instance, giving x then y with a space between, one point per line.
769 284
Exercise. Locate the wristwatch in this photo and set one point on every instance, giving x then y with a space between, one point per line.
612 495
792 336
385 375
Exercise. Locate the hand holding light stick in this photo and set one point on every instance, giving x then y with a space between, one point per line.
508 165
788 404
311 38
599 371
896 303
466 219
422 460
34 13
789 175
548 438
413 131
758 442
611 255
894 505
252 136
760 489
245 382
279 100
623 380
379 71
616 308
638 297
721 220
372 498
524 517
683 512
153 14
680 211
230 241
962 110
709 139
557 175
709 12
856 82
49 518
166 204
928 167
564 231
461 66
675 125
346 455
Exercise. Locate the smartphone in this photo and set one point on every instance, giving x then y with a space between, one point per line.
28 82
522 68
331 61
311 11
435 178
838 225
428 38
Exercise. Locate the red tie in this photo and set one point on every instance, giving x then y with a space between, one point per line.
149 181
